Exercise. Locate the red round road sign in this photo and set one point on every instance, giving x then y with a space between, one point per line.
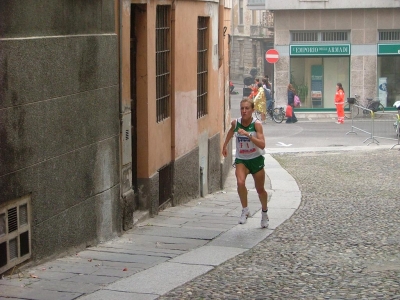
272 56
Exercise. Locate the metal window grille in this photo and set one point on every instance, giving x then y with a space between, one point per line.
392 35
304 36
334 36
163 62
15 228
322 36
202 67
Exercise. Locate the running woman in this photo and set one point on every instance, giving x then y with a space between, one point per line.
250 144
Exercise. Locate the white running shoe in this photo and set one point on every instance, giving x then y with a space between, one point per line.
264 219
244 216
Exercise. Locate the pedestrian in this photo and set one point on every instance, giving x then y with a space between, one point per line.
250 144
231 88
268 95
268 83
260 102
254 88
291 92
339 102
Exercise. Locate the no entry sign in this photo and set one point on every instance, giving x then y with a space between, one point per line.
272 56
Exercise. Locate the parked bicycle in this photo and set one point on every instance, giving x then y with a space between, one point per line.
353 106
274 113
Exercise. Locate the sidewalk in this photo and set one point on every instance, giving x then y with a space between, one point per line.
164 252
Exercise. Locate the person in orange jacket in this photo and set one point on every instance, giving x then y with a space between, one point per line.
254 88
339 102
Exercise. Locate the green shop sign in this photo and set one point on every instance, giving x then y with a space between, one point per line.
320 50
388 49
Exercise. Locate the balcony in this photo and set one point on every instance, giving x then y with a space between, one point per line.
256 4
266 27
257 31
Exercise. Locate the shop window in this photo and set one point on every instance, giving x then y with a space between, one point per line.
389 79
315 79
163 62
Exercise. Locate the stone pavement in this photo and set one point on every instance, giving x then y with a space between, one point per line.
164 252
343 242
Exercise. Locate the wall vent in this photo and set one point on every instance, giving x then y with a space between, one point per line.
15 233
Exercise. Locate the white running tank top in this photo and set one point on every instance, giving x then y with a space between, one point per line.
245 148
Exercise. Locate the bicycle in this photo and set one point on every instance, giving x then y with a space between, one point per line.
275 113
353 106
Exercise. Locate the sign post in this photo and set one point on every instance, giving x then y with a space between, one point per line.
272 56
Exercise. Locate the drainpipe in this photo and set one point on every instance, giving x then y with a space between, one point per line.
231 41
220 32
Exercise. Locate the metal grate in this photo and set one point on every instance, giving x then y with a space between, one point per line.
304 36
12 219
334 36
390 35
202 66
2 224
163 62
23 215
15 245
320 36
165 184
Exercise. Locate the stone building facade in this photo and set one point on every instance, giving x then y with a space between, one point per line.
104 112
252 35
324 42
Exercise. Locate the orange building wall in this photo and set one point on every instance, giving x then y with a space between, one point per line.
159 143
188 128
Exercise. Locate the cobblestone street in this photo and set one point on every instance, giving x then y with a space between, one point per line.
342 243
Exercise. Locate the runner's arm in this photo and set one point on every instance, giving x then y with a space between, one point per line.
258 139
228 138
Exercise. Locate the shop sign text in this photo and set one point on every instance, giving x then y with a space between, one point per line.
318 50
